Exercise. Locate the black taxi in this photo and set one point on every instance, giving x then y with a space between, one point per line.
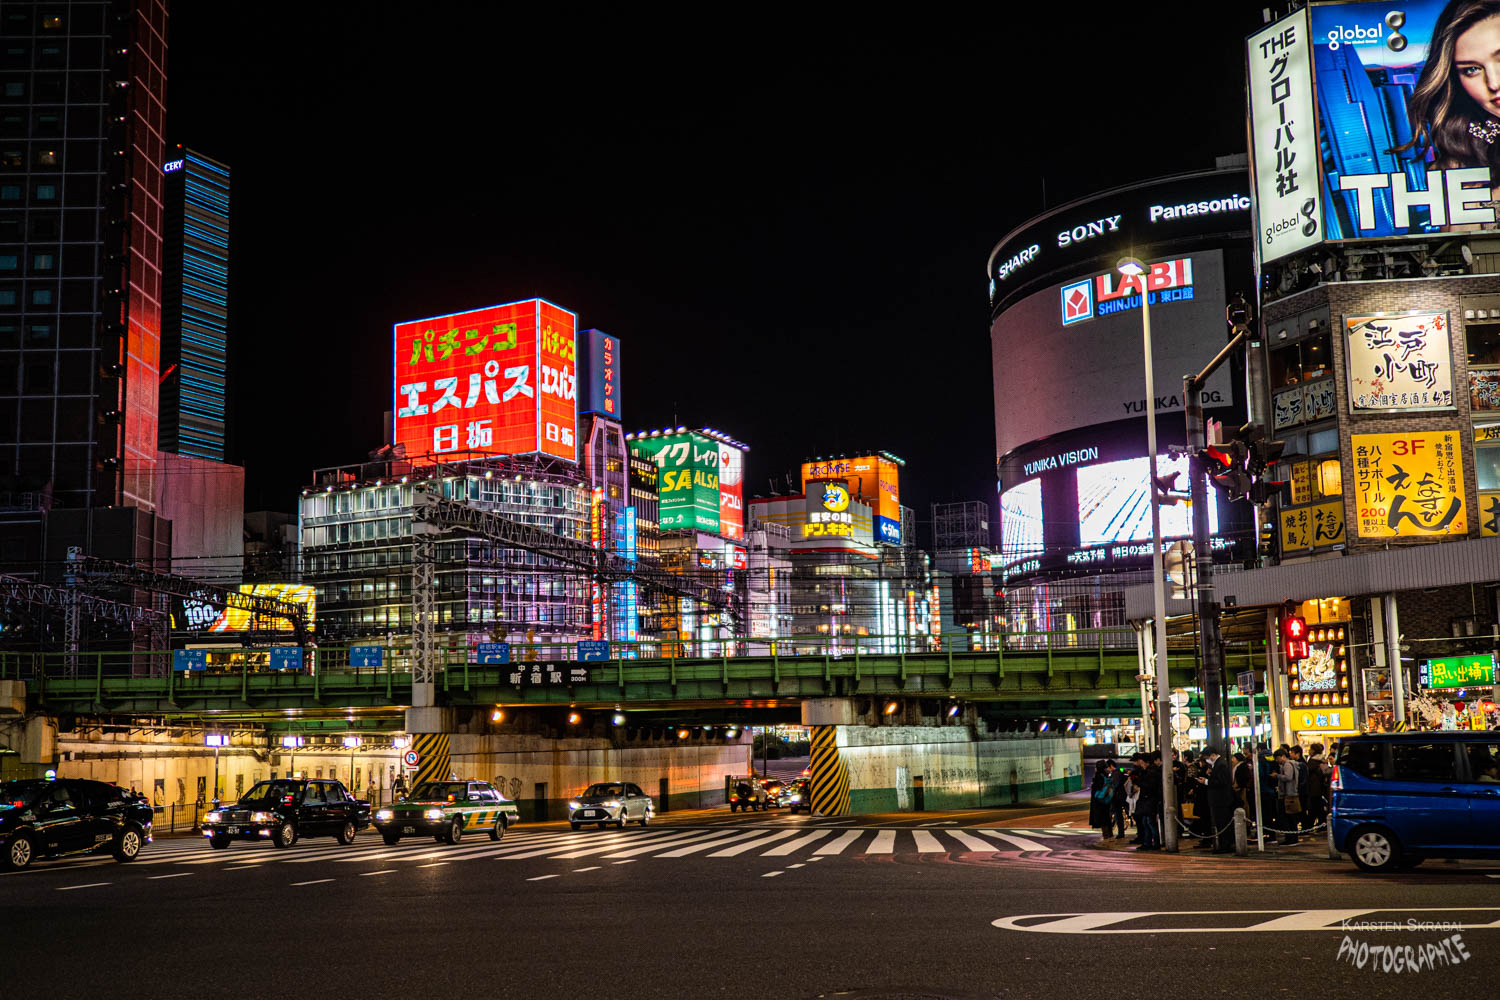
53 818
284 810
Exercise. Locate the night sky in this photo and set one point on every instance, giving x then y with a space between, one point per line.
786 225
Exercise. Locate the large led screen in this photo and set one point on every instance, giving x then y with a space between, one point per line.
1070 356
1408 126
1021 521
500 380
1114 502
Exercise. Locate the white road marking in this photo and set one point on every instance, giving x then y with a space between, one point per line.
796 845
816 857
927 843
800 864
972 843
314 881
630 862
944 822
86 885
706 844
173 875
542 878
654 844
1021 842
884 843
837 846
771 874
435 864
598 845
751 845
1296 921
241 868
384 871
591 868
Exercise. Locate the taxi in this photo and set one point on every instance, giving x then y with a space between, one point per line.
446 810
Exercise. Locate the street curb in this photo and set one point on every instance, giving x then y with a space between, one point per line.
1276 855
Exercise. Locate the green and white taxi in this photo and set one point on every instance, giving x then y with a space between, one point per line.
446 810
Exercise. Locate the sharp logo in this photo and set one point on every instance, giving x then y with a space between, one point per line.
1077 302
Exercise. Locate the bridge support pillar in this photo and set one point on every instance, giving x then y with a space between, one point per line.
34 742
430 727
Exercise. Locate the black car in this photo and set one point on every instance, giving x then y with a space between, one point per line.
284 810
42 818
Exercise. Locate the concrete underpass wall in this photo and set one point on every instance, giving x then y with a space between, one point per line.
955 770
542 774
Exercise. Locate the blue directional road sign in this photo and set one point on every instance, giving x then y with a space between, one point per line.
189 659
366 656
593 650
286 658
493 652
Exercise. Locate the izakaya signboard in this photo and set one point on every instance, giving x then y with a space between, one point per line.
496 381
1409 485
1317 526
1399 362
731 491
688 483
1283 138
1408 131
1446 673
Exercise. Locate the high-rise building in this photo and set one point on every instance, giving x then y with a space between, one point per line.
81 143
195 306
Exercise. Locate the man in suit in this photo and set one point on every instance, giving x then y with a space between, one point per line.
1218 784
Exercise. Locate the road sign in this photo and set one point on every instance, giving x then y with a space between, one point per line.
593 650
366 656
190 659
1247 683
411 758
492 652
547 675
286 657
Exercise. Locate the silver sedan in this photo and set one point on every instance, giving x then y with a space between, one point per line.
617 802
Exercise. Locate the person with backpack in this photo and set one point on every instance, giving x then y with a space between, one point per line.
1288 802
1101 797
1318 774
1300 763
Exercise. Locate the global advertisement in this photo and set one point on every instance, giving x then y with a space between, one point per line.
501 380
1408 127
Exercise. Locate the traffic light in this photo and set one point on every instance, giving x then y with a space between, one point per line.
1294 637
1164 486
1225 465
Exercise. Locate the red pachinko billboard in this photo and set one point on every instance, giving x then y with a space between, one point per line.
497 381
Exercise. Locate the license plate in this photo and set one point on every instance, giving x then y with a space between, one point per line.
408 829
593 814
231 829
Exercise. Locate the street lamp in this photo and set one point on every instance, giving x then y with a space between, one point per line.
1133 268
216 740
352 742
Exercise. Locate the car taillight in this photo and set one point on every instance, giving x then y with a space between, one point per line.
1336 783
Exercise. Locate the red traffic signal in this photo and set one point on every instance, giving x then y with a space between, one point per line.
1294 637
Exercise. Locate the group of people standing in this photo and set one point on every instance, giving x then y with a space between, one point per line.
1210 787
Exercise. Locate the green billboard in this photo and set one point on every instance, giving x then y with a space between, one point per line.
688 480
1448 672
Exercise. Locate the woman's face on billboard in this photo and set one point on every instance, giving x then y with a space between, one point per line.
1476 57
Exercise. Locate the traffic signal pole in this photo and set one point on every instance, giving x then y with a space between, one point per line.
1210 640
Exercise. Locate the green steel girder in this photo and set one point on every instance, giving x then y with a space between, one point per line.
1085 676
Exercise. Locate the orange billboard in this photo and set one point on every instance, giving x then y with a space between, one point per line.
875 479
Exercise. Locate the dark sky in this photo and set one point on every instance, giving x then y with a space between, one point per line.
785 224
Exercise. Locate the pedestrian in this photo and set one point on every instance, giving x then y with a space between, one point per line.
1288 803
1300 763
1244 784
1218 787
1101 794
1133 779
1318 774
1117 804
1148 813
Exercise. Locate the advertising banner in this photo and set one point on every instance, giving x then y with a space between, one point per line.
1399 362
600 373
1448 672
1408 131
1313 527
501 380
1409 485
193 614
874 479
731 491
688 463
1283 140
1489 513
1484 389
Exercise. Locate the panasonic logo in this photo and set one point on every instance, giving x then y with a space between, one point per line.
1234 203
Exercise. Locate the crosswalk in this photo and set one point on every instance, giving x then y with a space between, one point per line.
659 842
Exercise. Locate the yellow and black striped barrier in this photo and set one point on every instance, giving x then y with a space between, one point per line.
433 763
830 778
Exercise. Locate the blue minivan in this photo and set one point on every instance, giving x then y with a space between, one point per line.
1401 797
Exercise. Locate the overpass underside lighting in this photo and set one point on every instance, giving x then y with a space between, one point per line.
891 707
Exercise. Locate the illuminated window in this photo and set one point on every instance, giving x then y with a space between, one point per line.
46 158
10 158
1330 477
46 192
42 262
8 262
52 22
10 192
41 297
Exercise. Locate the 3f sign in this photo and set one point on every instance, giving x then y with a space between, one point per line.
1407 447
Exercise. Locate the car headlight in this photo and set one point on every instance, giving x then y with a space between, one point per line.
796 798
212 817
381 815
262 817
575 804
433 814
612 804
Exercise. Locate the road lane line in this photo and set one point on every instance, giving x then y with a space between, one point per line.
542 878
674 842
770 874
800 864
837 846
598 845
1307 920
435 864
386 871
884 843
241 868
314 881
173 875
704 845
971 843
751 845
795 845
591 868
927 843
630 862
1021 842
86 885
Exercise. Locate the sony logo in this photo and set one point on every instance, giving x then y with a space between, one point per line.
1087 231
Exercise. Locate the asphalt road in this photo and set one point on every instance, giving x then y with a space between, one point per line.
766 905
